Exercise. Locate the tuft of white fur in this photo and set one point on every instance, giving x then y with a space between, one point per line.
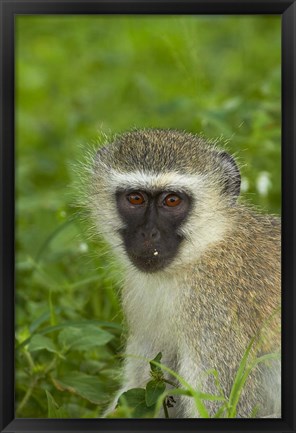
173 181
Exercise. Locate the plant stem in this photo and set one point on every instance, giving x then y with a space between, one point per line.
51 365
30 360
27 396
166 413
170 383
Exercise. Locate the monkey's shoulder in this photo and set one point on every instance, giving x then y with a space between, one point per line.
248 257
238 280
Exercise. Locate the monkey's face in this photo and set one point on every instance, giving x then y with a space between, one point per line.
151 221
161 197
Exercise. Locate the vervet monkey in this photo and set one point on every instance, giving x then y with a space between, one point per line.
202 271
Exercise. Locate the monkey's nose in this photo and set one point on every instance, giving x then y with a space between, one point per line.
150 235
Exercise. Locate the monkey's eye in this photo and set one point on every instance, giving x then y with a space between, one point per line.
172 200
135 198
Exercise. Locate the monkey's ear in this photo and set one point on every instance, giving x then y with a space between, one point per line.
232 177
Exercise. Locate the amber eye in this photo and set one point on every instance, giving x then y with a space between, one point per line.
136 198
172 200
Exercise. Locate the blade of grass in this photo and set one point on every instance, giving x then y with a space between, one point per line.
238 380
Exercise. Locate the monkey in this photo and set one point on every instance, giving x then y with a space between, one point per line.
201 269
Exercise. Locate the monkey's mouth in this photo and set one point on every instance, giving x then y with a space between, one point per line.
149 263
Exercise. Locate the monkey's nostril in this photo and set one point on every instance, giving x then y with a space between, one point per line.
153 234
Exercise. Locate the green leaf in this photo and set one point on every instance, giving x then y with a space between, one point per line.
215 374
135 398
39 342
221 411
54 411
156 368
154 389
255 411
210 397
244 369
239 381
83 337
53 317
76 323
88 387
268 357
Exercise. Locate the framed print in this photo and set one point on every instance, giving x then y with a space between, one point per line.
147 216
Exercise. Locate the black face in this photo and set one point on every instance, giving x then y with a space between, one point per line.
151 221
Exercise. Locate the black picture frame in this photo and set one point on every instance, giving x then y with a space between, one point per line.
287 10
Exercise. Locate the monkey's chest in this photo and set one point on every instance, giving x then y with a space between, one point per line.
152 315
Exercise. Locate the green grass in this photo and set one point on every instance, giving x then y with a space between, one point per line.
76 77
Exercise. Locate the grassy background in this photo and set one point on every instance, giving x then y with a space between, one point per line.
77 76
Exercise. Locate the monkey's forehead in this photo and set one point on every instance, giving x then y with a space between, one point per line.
144 180
156 150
